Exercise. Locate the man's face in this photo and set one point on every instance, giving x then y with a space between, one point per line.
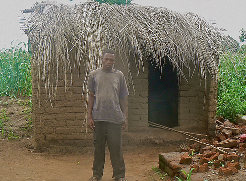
108 61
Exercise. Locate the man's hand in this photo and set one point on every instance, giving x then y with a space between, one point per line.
124 125
91 123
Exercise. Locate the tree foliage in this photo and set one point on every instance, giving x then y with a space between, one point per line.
242 36
15 72
119 2
232 85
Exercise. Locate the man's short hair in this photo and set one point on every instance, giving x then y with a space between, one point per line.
110 51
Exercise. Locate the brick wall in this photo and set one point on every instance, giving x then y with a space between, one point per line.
212 106
197 105
138 102
64 122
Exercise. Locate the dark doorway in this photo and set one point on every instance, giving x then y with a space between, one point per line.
163 95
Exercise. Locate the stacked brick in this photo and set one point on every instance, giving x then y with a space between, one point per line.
62 122
59 120
223 164
197 102
229 137
138 100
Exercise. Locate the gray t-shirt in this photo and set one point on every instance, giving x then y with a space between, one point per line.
108 88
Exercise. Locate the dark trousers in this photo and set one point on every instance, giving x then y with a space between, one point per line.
110 133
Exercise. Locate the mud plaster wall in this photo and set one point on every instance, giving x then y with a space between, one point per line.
63 124
197 103
196 106
138 100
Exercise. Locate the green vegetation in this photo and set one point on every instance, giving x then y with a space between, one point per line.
15 72
27 112
10 134
15 118
159 172
242 36
119 2
188 175
3 116
232 85
1 124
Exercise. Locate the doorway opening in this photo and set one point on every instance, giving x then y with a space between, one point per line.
163 95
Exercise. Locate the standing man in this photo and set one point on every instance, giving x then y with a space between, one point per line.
107 115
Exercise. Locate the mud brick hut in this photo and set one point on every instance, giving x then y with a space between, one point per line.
169 59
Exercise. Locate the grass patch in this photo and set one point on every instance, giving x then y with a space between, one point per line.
159 172
187 174
15 72
16 118
232 85
10 134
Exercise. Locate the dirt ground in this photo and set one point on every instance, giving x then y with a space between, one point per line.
19 163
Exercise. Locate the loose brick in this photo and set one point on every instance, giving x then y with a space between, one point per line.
241 149
214 157
234 165
217 163
204 140
244 161
242 145
196 168
168 166
232 157
234 170
204 160
185 159
227 123
227 132
203 167
221 137
196 147
205 149
225 171
215 143
208 154
235 131
229 143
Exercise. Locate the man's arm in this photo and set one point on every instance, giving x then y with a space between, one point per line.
124 109
90 107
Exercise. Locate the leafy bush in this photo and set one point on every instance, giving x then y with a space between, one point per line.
242 36
232 85
15 72
119 2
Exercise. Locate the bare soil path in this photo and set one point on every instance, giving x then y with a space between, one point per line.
17 163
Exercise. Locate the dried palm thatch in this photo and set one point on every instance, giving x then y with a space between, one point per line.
55 30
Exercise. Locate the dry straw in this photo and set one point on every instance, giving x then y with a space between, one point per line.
63 37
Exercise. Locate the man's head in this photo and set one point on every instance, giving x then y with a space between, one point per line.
108 59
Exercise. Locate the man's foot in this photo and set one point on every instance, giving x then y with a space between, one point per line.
95 179
121 179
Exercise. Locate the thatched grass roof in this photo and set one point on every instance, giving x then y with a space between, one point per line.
55 30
